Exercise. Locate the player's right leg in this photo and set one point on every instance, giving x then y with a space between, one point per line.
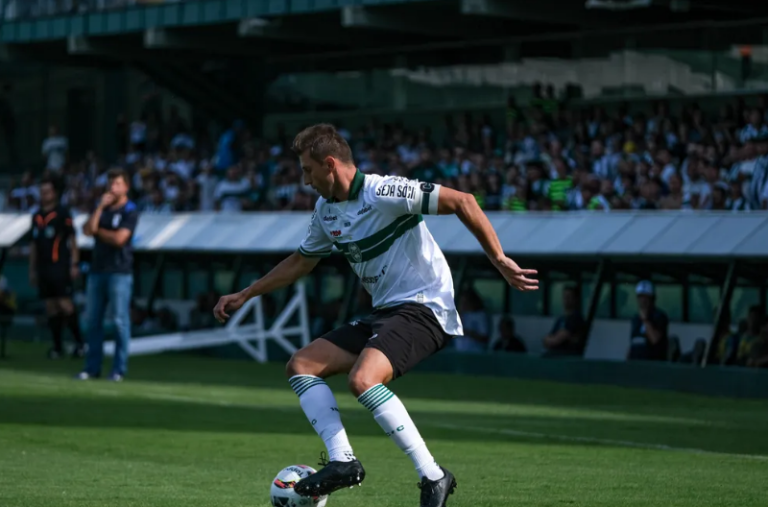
334 353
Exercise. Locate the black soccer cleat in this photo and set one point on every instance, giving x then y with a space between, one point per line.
435 493
334 475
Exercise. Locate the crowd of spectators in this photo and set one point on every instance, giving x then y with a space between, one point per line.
542 157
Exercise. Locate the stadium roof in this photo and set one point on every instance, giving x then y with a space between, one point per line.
677 236
297 33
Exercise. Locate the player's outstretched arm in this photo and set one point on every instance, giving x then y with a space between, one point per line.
464 206
287 272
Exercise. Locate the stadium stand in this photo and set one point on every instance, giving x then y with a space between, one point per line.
590 108
545 158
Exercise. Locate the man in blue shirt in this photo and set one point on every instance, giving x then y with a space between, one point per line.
111 275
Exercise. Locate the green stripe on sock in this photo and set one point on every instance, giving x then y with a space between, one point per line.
299 381
382 400
375 397
367 396
303 389
302 384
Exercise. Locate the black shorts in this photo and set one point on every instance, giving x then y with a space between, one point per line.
406 334
54 282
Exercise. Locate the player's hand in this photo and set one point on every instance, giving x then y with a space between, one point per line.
519 278
74 272
108 199
228 304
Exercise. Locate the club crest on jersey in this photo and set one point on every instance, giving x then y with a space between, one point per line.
355 253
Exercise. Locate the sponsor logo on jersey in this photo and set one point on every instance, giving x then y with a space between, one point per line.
385 190
406 191
355 252
116 221
335 234
370 280
330 218
364 210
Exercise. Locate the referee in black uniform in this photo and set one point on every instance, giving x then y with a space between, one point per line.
53 267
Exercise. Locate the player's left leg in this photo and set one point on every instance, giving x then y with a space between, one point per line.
404 338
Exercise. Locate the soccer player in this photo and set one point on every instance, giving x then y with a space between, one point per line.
376 222
53 260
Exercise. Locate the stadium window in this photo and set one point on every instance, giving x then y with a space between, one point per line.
332 288
247 278
703 300
197 282
173 283
556 296
669 297
626 302
146 276
527 303
222 280
604 304
742 299
492 292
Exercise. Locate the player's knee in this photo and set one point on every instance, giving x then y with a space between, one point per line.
360 381
301 363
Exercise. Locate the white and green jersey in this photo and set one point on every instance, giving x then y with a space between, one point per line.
381 232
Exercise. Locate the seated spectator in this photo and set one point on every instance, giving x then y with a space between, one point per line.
726 342
567 337
649 334
750 338
475 321
508 340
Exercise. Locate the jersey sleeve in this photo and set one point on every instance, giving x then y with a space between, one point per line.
130 219
397 196
316 243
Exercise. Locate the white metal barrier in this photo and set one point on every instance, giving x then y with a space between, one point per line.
252 338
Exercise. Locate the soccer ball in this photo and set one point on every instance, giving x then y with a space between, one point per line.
281 491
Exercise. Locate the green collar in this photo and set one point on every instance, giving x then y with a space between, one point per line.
355 188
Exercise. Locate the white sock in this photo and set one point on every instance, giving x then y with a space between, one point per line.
319 405
391 415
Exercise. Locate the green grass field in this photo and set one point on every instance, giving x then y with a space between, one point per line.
193 431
